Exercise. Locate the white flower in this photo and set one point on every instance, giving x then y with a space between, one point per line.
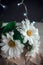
4 24
34 50
12 48
28 31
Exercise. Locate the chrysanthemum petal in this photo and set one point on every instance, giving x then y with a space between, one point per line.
5 48
11 52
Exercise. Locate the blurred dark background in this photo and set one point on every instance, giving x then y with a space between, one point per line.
13 12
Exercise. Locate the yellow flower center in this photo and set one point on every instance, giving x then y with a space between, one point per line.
11 43
29 32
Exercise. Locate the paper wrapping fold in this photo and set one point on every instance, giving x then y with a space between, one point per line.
22 60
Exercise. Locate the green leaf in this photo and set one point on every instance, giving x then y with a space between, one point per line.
12 26
17 36
9 27
28 46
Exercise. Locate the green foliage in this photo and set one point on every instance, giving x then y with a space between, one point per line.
9 27
28 46
17 36
12 26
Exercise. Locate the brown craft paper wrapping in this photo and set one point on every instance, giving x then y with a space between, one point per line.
22 60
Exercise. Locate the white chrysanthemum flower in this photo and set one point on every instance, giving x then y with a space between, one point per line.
34 50
4 24
28 31
12 48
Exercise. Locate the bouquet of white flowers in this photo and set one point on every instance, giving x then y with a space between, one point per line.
16 37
